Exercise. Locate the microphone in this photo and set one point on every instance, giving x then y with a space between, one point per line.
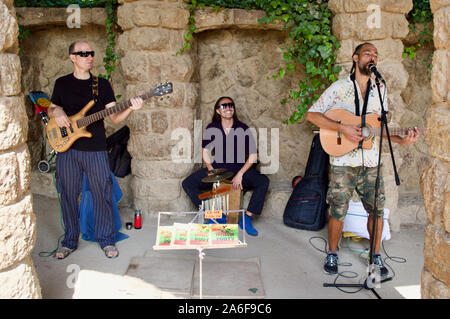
374 70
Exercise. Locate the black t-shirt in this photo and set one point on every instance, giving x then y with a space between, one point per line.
72 95
230 151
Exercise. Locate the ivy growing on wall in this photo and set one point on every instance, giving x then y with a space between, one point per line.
110 23
310 43
420 15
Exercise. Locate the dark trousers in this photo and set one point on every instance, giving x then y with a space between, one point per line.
251 180
70 166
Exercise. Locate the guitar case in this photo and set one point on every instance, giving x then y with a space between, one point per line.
306 207
119 158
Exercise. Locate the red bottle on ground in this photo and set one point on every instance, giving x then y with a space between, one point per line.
137 220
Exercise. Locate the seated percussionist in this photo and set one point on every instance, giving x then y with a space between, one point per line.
231 140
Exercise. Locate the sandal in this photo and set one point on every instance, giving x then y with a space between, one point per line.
64 251
110 251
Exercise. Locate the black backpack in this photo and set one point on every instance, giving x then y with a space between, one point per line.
306 208
119 158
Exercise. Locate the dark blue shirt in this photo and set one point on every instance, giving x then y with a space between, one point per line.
232 150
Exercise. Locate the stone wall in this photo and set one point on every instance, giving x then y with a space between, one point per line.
226 58
17 220
435 180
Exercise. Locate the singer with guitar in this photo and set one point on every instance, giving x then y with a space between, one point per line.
71 93
355 168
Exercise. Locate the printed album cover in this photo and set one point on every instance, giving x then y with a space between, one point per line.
164 236
224 234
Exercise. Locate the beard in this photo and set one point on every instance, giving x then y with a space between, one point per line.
364 69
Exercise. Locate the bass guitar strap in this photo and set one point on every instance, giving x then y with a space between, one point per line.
95 88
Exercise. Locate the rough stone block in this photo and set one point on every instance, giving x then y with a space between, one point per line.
437 253
135 66
139 121
395 75
364 27
160 169
441 20
142 38
431 288
9 27
147 15
18 231
10 72
440 75
434 184
13 122
161 189
150 146
354 6
177 68
159 121
182 118
438 138
336 6
175 19
398 6
437 4
20 282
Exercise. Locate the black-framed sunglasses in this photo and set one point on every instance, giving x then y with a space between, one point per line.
225 105
84 54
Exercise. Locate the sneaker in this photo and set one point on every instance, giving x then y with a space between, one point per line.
331 264
248 225
378 261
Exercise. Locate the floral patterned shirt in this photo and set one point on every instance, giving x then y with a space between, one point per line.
341 95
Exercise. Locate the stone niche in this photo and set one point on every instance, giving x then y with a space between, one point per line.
44 58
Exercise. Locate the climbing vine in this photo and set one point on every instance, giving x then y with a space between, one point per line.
310 43
110 23
420 15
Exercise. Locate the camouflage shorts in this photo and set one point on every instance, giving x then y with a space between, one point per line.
344 180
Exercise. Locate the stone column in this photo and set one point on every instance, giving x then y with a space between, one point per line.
435 181
153 33
17 220
384 24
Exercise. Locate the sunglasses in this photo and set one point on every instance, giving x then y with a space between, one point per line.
84 54
225 105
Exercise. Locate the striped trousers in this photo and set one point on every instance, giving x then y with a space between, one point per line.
70 166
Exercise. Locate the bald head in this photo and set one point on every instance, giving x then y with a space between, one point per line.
73 45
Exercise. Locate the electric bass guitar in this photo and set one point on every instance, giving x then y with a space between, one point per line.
62 138
336 144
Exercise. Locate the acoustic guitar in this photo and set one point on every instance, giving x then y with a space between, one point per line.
62 138
336 144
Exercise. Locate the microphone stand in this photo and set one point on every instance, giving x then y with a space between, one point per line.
372 276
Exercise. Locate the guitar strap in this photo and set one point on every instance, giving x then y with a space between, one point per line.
95 88
366 100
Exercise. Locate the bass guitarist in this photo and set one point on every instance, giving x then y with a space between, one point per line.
356 170
70 94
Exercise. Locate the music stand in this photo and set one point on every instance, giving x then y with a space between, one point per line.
372 276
